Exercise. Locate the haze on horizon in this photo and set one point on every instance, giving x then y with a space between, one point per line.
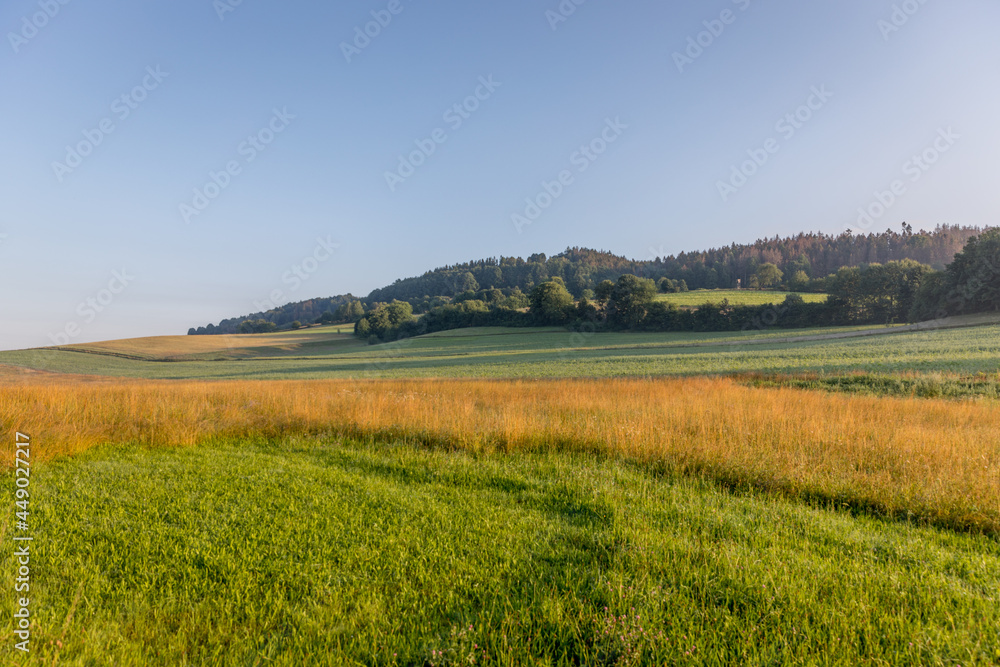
185 160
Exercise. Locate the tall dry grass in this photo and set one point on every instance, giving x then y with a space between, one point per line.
936 460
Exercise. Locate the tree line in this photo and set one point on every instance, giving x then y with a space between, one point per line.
804 257
804 261
309 311
895 292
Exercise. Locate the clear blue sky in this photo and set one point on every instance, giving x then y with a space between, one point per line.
220 76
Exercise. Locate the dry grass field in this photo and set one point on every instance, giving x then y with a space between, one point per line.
327 339
932 460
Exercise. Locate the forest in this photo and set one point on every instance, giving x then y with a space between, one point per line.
895 292
806 262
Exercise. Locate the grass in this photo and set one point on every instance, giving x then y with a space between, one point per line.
760 519
512 353
331 552
743 297
924 385
311 340
934 461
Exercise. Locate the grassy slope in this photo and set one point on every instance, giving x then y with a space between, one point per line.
313 340
560 353
321 552
735 297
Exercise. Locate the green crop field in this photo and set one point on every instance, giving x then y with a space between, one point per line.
512 353
338 553
743 297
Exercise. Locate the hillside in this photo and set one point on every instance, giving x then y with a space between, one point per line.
815 255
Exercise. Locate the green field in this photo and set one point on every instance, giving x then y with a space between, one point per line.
315 550
338 553
743 297
495 353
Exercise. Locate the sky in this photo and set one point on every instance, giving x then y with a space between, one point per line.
166 165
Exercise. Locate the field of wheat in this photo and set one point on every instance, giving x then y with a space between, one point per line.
934 461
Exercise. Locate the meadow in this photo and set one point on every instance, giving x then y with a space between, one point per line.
953 346
742 297
814 497
328 551
929 460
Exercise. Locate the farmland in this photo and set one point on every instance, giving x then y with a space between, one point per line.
512 353
743 297
514 497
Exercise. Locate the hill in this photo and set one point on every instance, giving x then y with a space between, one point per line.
811 256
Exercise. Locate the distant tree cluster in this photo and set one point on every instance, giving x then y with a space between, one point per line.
907 291
551 302
386 322
970 284
346 313
257 326
767 276
878 293
311 310
668 286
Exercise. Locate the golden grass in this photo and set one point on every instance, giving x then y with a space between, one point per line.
936 460
236 346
